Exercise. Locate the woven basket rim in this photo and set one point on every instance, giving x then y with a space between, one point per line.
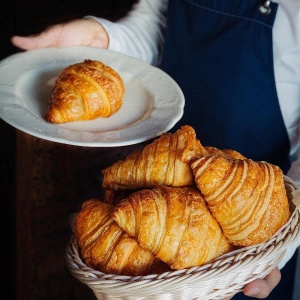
261 258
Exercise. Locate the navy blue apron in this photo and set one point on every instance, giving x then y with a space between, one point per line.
220 54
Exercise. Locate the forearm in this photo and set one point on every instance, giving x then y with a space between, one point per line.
141 32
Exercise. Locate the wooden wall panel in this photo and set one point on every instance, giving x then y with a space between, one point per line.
52 181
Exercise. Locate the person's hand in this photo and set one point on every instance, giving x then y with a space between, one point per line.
261 288
79 32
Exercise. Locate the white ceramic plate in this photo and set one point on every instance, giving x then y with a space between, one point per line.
152 104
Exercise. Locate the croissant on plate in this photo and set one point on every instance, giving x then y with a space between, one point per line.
174 224
85 91
165 161
106 247
246 197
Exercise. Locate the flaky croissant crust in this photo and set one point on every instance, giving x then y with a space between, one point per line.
85 91
246 197
108 248
174 224
165 161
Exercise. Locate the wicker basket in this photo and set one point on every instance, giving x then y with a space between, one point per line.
221 278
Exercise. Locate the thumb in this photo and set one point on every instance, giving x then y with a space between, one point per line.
26 43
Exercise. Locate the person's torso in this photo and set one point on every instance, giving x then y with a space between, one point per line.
220 54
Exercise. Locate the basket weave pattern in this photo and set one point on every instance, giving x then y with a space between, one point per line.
221 278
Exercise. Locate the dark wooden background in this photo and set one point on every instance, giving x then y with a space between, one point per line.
43 182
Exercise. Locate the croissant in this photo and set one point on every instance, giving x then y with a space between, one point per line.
227 153
85 91
247 198
174 224
106 247
165 161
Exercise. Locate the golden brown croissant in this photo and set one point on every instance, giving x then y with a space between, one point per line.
85 91
174 224
106 247
165 161
227 153
247 198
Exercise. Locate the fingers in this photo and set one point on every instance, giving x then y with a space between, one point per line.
47 38
261 288
25 43
84 32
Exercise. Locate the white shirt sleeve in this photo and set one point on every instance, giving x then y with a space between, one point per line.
141 32
286 45
286 42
